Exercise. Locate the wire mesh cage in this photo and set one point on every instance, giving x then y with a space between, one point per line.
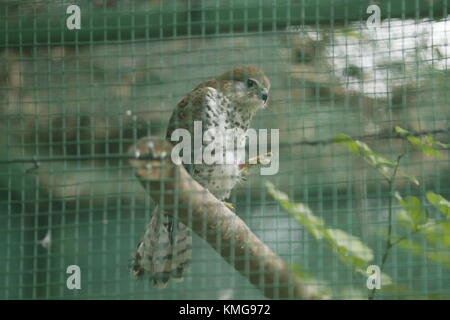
356 209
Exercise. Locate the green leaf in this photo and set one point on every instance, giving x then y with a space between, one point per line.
410 177
439 202
304 216
347 141
445 235
386 280
276 194
437 233
426 144
441 256
411 246
413 212
349 248
299 211
401 131
378 161
442 145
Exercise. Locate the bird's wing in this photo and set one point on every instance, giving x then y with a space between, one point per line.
193 107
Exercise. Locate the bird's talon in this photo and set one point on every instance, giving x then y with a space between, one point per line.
252 162
229 205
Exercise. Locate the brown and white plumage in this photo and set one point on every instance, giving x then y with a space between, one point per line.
163 253
227 102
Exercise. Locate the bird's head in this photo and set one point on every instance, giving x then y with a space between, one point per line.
247 86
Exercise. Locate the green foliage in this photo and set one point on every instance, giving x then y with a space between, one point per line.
437 233
426 144
412 214
378 161
385 166
415 219
349 249
440 256
439 202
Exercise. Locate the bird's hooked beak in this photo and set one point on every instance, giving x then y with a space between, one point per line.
265 96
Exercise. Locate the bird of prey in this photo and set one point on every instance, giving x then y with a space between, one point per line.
224 104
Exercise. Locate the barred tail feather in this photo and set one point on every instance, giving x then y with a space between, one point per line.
165 250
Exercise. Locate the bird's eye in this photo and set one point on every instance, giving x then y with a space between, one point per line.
251 83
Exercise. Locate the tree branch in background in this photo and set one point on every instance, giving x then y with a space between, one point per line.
174 190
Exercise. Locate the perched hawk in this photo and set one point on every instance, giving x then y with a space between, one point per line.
223 104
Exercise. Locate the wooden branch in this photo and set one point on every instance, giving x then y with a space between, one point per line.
176 191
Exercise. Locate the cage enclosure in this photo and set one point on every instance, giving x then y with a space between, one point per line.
356 207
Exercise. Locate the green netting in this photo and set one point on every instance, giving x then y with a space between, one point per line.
73 101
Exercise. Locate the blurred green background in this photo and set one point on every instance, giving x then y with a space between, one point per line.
95 91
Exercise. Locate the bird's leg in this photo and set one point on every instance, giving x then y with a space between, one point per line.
252 162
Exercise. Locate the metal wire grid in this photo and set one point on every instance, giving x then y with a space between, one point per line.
64 102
